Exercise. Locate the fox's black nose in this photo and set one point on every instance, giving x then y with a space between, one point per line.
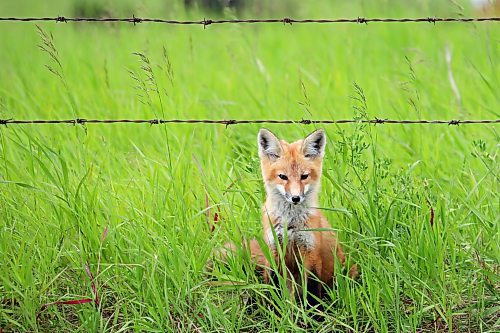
295 199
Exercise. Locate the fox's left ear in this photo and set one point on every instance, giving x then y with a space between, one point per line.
314 144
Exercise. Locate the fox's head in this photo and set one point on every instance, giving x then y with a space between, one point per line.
292 171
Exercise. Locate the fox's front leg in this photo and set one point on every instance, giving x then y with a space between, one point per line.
273 277
311 279
269 274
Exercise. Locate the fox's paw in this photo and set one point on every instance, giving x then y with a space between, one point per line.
354 272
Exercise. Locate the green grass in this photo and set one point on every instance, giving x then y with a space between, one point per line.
61 185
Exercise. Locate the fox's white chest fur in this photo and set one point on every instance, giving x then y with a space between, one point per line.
291 174
292 220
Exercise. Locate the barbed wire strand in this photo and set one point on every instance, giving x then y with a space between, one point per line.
205 22
227 122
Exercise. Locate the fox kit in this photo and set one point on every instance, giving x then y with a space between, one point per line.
292 175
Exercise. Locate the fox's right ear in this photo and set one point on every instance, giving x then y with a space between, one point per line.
269 145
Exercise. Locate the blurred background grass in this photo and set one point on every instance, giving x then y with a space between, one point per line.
61 185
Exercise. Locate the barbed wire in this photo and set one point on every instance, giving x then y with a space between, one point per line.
227 122
286 20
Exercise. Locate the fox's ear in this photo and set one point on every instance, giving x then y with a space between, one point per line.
314 144
269 145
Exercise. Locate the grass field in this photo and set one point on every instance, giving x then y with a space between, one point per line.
158 187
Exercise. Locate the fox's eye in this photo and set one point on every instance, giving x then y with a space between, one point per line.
304 176
282 176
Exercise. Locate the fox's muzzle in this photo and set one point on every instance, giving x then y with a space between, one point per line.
294 199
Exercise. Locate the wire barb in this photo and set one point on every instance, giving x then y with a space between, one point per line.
379 121
80 121
361 20
61 19
230 122
206 22
136 20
